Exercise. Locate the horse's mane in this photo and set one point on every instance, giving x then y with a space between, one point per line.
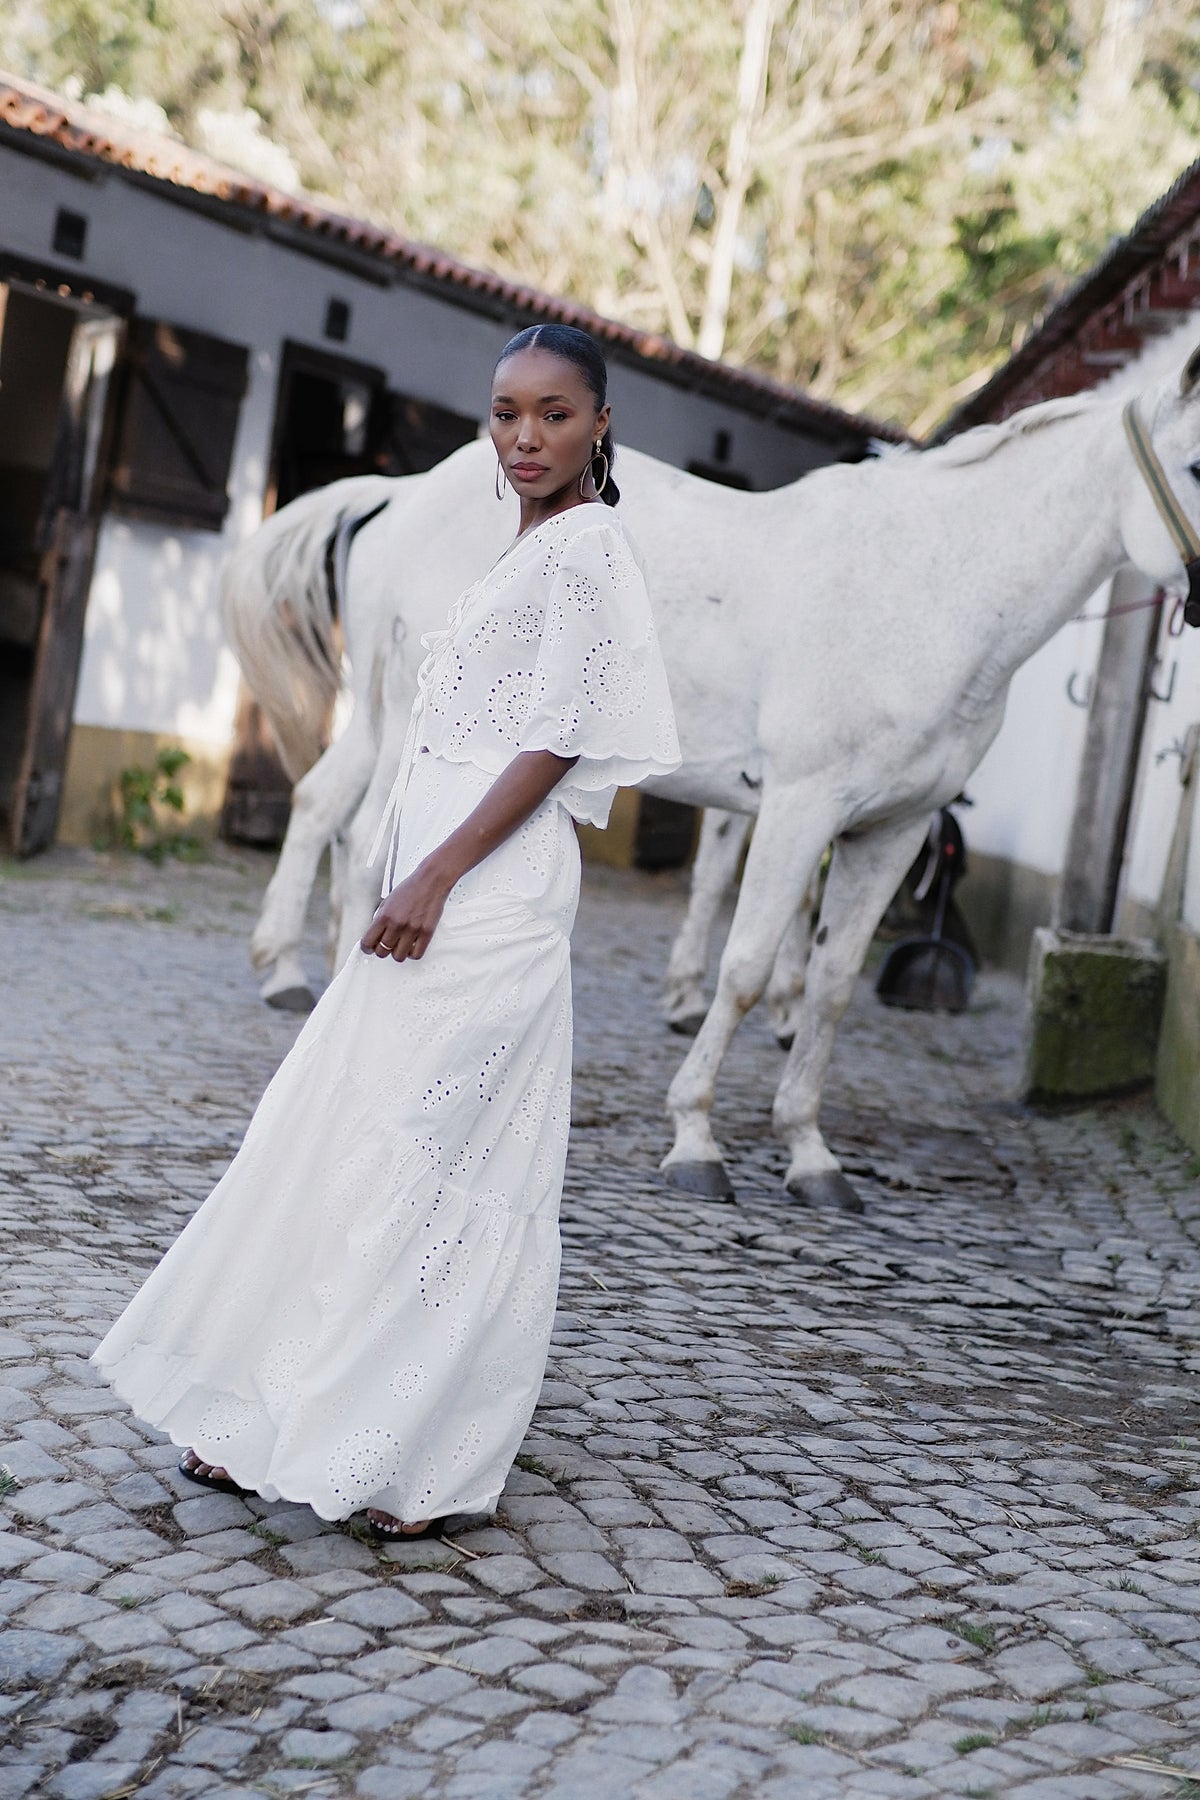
983 441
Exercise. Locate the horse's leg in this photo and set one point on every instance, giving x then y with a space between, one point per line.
865 873
324 800
785 990
788 838
339 864
362 877
722 835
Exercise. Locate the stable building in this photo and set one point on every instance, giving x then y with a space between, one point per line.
182 350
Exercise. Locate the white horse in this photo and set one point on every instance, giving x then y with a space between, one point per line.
289 610
840 653
714 874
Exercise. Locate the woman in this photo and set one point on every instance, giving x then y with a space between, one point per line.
359 1315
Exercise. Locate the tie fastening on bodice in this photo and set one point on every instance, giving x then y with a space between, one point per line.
435 644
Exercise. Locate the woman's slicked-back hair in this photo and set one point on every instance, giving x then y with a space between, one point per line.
580 348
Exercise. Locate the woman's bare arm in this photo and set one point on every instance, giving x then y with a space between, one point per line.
407 919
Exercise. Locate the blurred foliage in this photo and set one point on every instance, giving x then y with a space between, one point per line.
149 797
871 198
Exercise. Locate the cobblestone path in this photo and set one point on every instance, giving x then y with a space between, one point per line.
905 1504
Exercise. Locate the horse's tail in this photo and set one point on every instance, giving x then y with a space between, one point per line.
281 596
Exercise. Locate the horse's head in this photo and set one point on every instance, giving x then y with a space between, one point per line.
1160 510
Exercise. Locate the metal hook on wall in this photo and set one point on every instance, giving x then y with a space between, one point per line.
1073 697
1152 692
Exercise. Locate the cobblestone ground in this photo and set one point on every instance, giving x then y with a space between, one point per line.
905 1504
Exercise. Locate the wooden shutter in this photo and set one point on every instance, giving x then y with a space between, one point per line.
175 431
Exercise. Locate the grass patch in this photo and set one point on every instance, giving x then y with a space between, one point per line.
129 1601
870 1556
1096 1677
1040 1716
260 1530
532 1466
982 1636
8 1483
747 1590
804 1734
1126 1585
974 1740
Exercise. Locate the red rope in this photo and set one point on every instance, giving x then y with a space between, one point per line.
1115 612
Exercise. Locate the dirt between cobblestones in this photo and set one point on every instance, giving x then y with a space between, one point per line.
812 1505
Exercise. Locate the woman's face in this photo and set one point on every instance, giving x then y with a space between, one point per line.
544 422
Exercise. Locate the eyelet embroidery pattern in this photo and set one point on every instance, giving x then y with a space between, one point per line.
534 1296
363 1464
409 1380
225 1419
445 1274
612 680
510 701
555 649
281 1368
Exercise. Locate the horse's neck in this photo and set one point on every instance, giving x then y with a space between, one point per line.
1041 521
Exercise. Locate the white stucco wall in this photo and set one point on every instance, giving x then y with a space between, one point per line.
153 655
1024 789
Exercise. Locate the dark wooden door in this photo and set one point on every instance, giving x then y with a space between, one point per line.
65 578
67 540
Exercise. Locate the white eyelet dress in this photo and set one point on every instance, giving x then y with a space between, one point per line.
359 1315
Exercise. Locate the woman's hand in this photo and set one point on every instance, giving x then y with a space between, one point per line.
407 919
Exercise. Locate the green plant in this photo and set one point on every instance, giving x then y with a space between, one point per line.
129 1601
8 1483
748 1590
1096 1677
1041 1715
804 1734
148 798
260 1530
532 1466
974 1740
870 1556
982 1636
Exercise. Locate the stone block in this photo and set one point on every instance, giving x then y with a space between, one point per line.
1094 1008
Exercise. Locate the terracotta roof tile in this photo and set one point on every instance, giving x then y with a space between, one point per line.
83 131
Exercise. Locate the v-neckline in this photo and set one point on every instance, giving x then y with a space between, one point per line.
523 537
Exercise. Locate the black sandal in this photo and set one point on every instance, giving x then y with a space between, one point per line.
221 1484
392 1534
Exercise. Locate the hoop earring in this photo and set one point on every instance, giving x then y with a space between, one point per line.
596 456
501 480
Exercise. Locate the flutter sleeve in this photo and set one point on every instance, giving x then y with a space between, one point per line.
599 688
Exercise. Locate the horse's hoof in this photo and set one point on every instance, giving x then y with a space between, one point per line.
830 1188
688 1025
706 1180
292 999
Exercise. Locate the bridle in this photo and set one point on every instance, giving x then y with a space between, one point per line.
1183 534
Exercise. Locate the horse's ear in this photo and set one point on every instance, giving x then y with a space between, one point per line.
1191 373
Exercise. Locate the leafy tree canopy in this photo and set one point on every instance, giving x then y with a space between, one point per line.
871 198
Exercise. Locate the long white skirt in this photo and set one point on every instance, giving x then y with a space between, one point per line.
360 1312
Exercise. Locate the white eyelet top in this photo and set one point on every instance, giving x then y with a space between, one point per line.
554 649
